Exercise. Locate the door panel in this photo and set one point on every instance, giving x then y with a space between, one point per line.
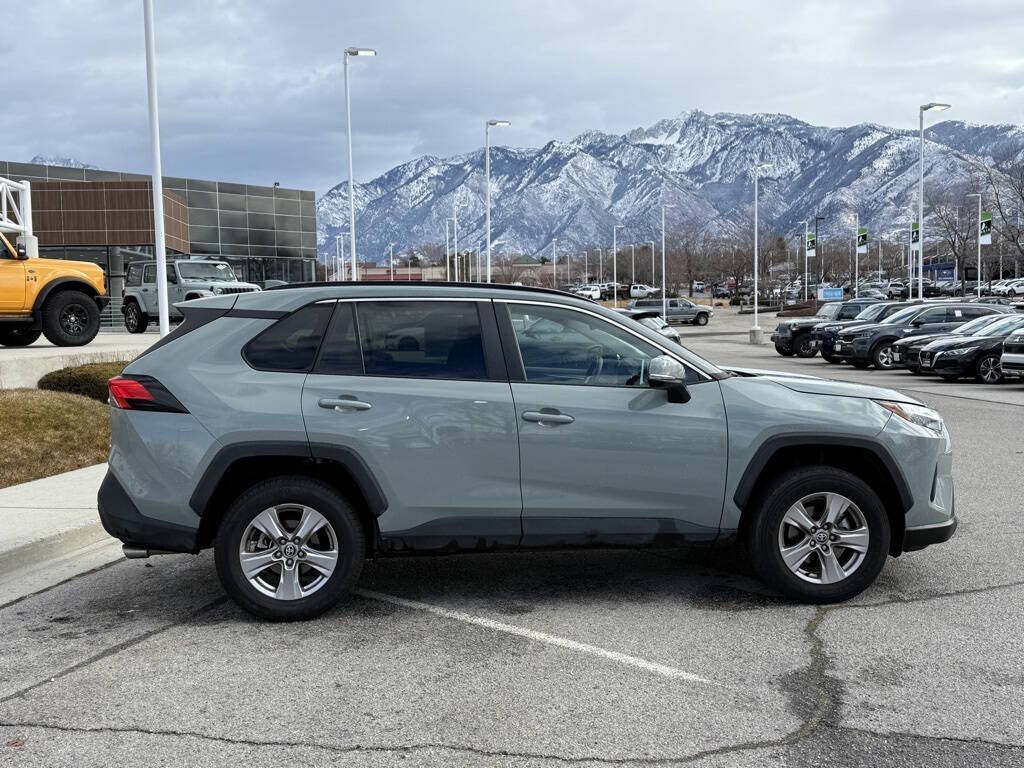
12 285
444 453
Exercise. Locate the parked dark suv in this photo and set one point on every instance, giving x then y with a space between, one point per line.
299 431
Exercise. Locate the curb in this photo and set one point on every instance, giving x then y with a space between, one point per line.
29 555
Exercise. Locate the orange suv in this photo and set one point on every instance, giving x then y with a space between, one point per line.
59 299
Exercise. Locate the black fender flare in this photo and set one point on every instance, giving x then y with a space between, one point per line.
76 282
228 455
773 445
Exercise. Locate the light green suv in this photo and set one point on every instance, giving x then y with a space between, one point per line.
302 430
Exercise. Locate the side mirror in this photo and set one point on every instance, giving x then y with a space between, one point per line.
669 374
21 252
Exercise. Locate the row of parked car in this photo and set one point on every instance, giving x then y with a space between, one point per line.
950 338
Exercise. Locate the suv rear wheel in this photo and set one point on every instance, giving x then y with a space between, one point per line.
701 318
135 320
17 335
820 535
289 548
70 319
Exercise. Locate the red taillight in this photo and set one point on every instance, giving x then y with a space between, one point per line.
128 393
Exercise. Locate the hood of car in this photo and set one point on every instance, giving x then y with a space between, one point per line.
951 342
865 327
813 385
924 339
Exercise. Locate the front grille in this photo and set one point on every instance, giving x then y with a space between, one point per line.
926 358
1014 349
235 289
912 355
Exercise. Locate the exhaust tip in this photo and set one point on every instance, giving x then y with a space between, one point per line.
134 553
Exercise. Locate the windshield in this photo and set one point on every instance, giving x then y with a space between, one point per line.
829 311
1002 327
872 312
903 315
215 271
975 325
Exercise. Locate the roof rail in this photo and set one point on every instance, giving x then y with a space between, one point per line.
421 284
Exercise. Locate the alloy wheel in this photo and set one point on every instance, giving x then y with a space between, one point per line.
73 319
823 538
989 370
884 357
288 551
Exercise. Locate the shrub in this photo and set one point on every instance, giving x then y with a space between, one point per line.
89 380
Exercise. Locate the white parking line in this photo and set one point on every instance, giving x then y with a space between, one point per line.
540 637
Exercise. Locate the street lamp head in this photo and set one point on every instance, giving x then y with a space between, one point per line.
360 52
498 122
934 106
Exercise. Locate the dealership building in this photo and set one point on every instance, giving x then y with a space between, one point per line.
106 217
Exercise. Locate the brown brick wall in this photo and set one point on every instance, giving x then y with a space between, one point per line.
105 213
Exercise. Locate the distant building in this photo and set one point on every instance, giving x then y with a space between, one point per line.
106 217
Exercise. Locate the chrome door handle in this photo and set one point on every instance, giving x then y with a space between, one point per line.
548 417
341 404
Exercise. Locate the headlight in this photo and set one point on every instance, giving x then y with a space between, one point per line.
915 414
830 328
958 351
218 289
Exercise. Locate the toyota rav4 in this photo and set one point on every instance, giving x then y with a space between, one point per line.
299 431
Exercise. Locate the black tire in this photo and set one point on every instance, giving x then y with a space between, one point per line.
135 320
802 346
763 540
881 356
988 371
290 489
701 318
783 350
835 360
70 319
17 335
860 364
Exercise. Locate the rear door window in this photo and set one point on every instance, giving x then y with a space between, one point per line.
134 276
340 354
421 339
149 276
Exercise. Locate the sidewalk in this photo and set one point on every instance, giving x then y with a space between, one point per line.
51 528
23 366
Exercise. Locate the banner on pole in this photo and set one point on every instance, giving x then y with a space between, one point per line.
915 237
812 244
862 239
986 228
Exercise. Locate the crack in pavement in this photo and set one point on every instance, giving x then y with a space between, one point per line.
926 737
114 649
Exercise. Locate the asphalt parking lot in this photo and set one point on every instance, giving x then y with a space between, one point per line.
583 658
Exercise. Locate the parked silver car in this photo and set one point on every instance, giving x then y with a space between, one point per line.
678 310
285 430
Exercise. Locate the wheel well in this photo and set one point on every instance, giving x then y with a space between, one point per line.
67 285
858 461
245 472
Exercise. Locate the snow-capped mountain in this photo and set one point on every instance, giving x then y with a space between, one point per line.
698 163
63 162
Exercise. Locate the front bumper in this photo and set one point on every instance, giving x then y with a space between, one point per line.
1012 363
102 301
122 520
937 362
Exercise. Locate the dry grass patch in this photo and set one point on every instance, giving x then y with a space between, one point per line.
46 433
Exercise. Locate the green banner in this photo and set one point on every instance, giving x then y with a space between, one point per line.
915 237
862 239
812 244
985 228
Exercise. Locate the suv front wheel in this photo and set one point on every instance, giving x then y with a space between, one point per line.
70 319
135 320
289 548
820 535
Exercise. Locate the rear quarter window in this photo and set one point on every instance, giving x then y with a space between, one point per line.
290 344
134 276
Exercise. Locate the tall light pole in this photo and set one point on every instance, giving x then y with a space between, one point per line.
755 330
447 252
600 264
632 271
615 264
804 222
391 251
856 255
337 255
455 238
929 107
586 265
978 195
651 243
487 183
554 264
348 129
664 294
159 246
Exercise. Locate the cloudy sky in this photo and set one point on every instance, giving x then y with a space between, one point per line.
252 90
